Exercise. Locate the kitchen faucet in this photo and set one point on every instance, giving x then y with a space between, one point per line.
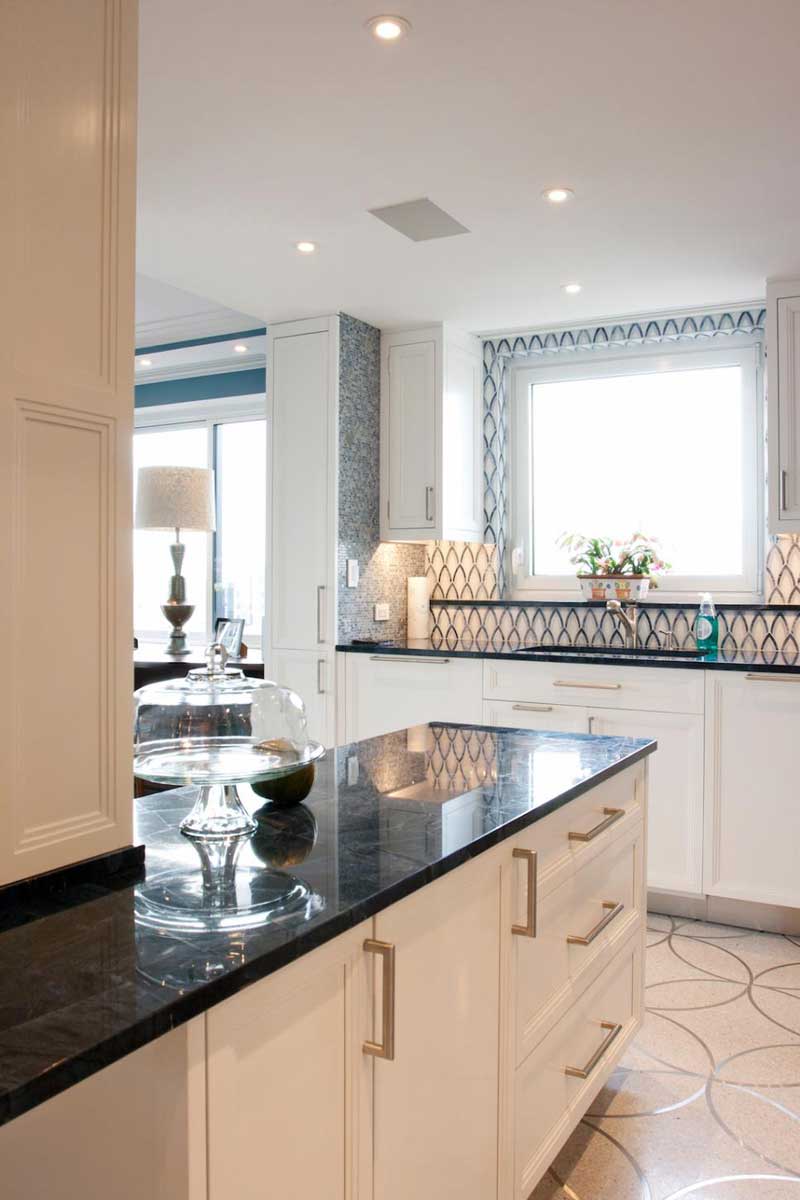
626 615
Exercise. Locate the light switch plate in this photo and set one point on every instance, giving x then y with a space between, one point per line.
352 572
381 612
352 770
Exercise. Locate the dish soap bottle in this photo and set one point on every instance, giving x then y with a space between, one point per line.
706 626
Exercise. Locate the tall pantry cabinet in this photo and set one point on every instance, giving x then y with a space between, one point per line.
302 404
67 229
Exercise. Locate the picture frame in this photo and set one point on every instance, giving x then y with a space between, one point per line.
229 631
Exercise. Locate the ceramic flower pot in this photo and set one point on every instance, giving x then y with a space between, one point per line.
629 588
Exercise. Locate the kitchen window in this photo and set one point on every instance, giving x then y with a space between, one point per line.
225 571
666 443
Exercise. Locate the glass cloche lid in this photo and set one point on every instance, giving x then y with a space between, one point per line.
217 728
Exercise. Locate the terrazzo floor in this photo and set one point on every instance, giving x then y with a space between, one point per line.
706 1102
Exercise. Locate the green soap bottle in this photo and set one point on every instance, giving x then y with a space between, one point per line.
706 626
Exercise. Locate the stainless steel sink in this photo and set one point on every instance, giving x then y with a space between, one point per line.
621 651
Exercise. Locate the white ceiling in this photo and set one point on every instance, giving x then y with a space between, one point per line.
675 122
169 314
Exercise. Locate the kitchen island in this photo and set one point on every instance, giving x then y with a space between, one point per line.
396 963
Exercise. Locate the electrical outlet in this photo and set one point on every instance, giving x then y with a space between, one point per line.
352 572
352 770
381 612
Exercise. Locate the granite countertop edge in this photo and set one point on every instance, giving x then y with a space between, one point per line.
29 1093
614 658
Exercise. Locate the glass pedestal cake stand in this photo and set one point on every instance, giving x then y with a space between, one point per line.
217 766
217 729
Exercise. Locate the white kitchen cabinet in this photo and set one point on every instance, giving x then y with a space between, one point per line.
302 406
675 834
67 233
289 1084
752 773
625 702
134 1129
783 366
385 692
431 436
435 1103
310 673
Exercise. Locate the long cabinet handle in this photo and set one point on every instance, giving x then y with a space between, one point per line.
320 605
601 687
321 676
384 1048
782 501
585 1071
614 909
405 658
531 906
531 708
612 815
759 677
428 503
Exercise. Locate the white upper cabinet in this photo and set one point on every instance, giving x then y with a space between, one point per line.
431 436
67 232
783 371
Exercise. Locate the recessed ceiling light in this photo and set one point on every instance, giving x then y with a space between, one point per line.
305 247
572 289
144 362
558 195
240 349
388 28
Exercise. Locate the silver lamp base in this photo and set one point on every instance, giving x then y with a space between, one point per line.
177 615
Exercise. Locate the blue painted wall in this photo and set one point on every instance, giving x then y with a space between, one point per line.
201 387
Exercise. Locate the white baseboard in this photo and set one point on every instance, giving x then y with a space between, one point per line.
769 918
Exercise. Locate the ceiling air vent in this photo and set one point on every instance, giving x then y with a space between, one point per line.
420 220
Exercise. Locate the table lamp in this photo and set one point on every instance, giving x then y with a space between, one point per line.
176 498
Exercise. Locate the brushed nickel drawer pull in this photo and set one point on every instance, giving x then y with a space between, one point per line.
612 815
428 503
595 687
782 501
384 1049
585 1071
320 601
757 677
614 909
529 928
397 658
531 708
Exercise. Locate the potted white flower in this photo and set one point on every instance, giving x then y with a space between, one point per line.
614 569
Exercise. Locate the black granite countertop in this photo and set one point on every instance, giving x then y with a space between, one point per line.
774 661
85 981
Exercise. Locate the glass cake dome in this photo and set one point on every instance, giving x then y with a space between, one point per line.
216 729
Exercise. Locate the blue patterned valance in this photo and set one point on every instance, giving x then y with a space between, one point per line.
639 332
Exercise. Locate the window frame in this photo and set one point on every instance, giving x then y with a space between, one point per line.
745 353
197 414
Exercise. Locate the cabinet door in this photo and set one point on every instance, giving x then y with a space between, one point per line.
752 773
563 718
67 232
411 429
675 775
435 1104
787 351
389 692
303 536
288 1083
311 675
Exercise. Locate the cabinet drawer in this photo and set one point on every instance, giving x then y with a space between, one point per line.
386 692
592 827
580 925
590 1039
519 714
663 689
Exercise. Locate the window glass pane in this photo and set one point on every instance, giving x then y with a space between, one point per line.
659 453
152 565
241 522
